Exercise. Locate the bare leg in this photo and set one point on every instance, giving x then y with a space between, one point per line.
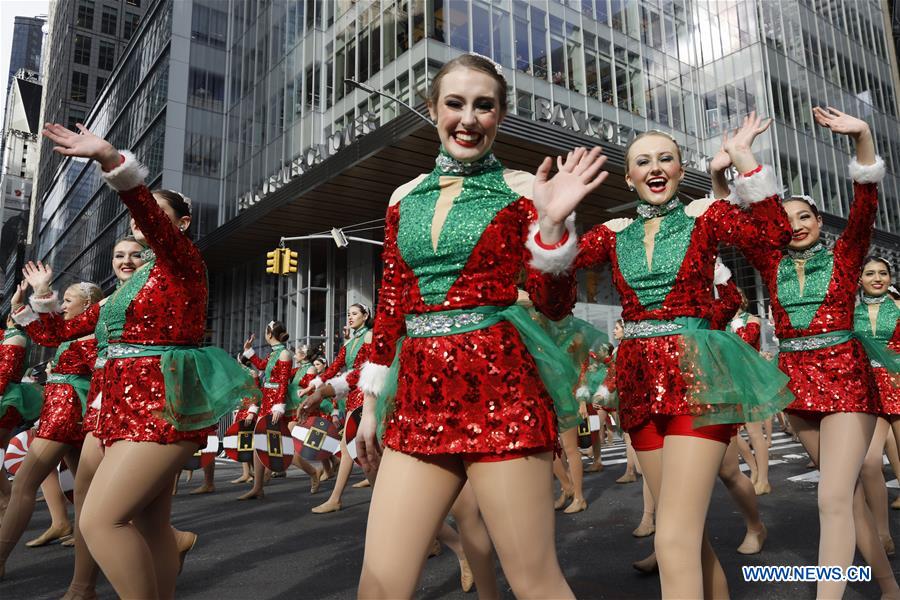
306 467
650 463
209 480
576 469
259 480
741 490
597 444
509 494
42 458
768 430
479 551
333 503
84 578
565 482
688 566
402 525
60 526
5 485
761 452
874 487
892 446
125 518
245 474
871 546
647 526
631 463
746 454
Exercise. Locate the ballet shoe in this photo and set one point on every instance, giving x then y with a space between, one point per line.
51 535
647 565
436 549
753 541
241 479
203 489
185 540
754 476
762 488
810 465
644 530
627 478
466 579
327 507
324 475
561 501
77 592
251 495
896 503
362 484
315 481
594 467
888 544
577 505
68 542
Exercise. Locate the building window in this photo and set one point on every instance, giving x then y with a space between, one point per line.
131 25
85 14
109 20
106 58
82 49
78 91
205 88
101 81
75 116
133 2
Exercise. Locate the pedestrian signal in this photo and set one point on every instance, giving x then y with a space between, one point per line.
289 261
273 262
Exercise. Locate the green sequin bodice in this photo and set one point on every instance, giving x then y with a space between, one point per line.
802 308
885 322
272 360
653 283
111 322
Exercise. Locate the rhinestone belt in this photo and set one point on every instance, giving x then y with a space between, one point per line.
811 343
640 329
428 324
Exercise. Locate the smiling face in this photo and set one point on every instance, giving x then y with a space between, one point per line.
654 168
74 303
126 259
468 112
805 225
875 278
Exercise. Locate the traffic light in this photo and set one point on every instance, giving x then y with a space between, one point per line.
273 261
288 261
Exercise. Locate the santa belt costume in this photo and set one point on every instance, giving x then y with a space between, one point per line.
554 367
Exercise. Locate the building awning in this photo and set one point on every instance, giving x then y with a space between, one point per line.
356 183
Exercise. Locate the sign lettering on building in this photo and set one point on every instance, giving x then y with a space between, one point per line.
310 157
608 131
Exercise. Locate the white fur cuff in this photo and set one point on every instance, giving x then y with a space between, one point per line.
340 386
873 173
372 378
50 304
602 393
721 275
317 383
278 408
556 261
249 353
757 187
25 317
582 393
253 409
127 176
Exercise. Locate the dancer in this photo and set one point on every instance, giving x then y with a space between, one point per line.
876 317
343 388
59 434
247 412
670 365
465 400
18 401
154 323
813 289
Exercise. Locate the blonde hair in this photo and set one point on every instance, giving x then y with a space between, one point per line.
648 133
89 291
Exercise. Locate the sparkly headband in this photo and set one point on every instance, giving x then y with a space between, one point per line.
365 308
86 288
188 201
495 64
804 198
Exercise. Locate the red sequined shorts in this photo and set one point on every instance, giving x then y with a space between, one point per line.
833 379
60 419
488 457
888 391
652 434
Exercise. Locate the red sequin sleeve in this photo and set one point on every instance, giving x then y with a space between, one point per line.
336 367
552 294
171 246
352 376
258 363
51 329
751 333
853 244
595 247
725 306
390 315
12 359
763 226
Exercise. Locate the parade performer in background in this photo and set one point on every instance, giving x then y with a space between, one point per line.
681 384
18 401
162 394
339 383
59 435
877 317
813 289
246 413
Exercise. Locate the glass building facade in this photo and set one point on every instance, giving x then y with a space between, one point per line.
265 122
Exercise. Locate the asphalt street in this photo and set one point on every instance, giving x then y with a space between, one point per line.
276 548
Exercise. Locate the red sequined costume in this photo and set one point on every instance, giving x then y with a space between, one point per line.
478 393
886 332
835 378
12 367
169 310
248 406
649 379
275 388
887 388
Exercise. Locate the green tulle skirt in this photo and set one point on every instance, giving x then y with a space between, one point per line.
26 398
